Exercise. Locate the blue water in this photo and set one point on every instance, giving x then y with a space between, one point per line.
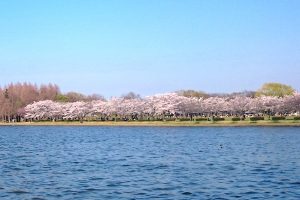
149 163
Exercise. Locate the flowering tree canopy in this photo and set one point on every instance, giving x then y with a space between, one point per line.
168 104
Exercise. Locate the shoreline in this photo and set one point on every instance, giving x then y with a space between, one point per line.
282 123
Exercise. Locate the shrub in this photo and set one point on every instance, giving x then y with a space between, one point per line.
169 119
235 119
150 119
277 118
297 118
201 119
218 119
256 118
184 119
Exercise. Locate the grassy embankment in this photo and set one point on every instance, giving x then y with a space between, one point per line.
226 122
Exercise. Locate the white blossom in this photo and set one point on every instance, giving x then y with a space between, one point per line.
168 104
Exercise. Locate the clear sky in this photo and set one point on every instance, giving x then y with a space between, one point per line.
150 46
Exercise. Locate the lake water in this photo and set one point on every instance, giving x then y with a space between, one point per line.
149 163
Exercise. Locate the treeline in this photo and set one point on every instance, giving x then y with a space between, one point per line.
267 89
168 106
15 96
23 101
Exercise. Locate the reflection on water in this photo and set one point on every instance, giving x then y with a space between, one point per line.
149 163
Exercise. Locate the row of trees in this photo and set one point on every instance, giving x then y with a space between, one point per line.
29 101
267 89
163 106
14 97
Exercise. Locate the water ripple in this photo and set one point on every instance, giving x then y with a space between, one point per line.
40 163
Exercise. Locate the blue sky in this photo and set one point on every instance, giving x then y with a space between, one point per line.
113 47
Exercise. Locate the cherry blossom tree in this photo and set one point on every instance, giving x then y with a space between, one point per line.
76 110
215 105
238 105
162 106
44 110
291 104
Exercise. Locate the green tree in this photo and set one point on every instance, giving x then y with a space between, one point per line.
192 93
275 89
61 98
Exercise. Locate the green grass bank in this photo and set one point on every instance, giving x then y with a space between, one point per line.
225 123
